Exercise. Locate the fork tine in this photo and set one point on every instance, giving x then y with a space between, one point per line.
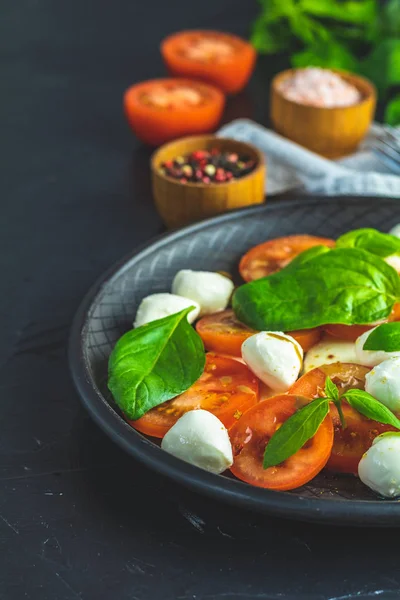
389 163
389 158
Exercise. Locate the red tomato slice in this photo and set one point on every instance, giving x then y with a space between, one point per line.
250 435
222 59
351 443
274 255
227 388
352 332
223 333
160 110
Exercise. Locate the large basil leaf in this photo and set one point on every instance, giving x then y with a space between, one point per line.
295 432
154 363
385 337
345 285
371 408
381 244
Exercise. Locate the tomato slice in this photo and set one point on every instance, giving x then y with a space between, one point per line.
224 334
350 443
222 59
250 435
352 332
274 255
227 388
160 110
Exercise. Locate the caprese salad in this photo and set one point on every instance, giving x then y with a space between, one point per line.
294 371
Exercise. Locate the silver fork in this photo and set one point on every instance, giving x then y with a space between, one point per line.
386 147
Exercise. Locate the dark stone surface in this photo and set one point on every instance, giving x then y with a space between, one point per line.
78 518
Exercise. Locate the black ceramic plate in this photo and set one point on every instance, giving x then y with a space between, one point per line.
217 244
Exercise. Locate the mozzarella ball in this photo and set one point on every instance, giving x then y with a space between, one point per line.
394 261
379 468
276 358
211 291
330 351
371 358
383 383
395 230
200 439
157 306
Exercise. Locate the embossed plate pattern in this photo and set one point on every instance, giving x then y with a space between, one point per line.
109 308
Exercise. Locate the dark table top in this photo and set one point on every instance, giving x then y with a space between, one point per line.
78 518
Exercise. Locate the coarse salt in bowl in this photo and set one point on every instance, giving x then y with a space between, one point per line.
319 87
326 111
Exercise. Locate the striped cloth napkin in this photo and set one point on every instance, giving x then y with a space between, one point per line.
290 166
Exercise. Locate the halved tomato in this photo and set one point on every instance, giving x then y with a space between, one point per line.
352 332
160 110
222 59
223 333
349 444
250 435
274 255
227 388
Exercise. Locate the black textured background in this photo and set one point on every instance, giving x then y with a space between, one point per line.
78 518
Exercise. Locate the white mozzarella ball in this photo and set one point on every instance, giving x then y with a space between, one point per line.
379 468
371 358
394 261
200 438
157 306
383 383
276 358
395 230
211 291
330 351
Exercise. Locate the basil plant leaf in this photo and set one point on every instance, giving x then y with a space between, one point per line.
154 363
385 337
295 432
343 285
331 390
371 408
381 244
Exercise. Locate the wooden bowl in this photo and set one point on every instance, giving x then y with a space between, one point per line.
181 203
332 132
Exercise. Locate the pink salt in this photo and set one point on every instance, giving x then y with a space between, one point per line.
319 87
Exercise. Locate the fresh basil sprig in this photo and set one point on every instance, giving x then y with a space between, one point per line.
343 285
154 363
295 432
371 240
304 424
385 337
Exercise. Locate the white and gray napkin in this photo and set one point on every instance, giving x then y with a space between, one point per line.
290 166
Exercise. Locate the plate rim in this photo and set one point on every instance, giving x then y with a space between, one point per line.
381 513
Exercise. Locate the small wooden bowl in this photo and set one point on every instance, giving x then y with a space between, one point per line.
332 132
181 203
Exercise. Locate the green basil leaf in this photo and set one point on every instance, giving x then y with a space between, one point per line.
327 54
351 11
392 111
344 285
307 255
366 404
331 390
381 244
383 64
385 337
295 432
154 363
